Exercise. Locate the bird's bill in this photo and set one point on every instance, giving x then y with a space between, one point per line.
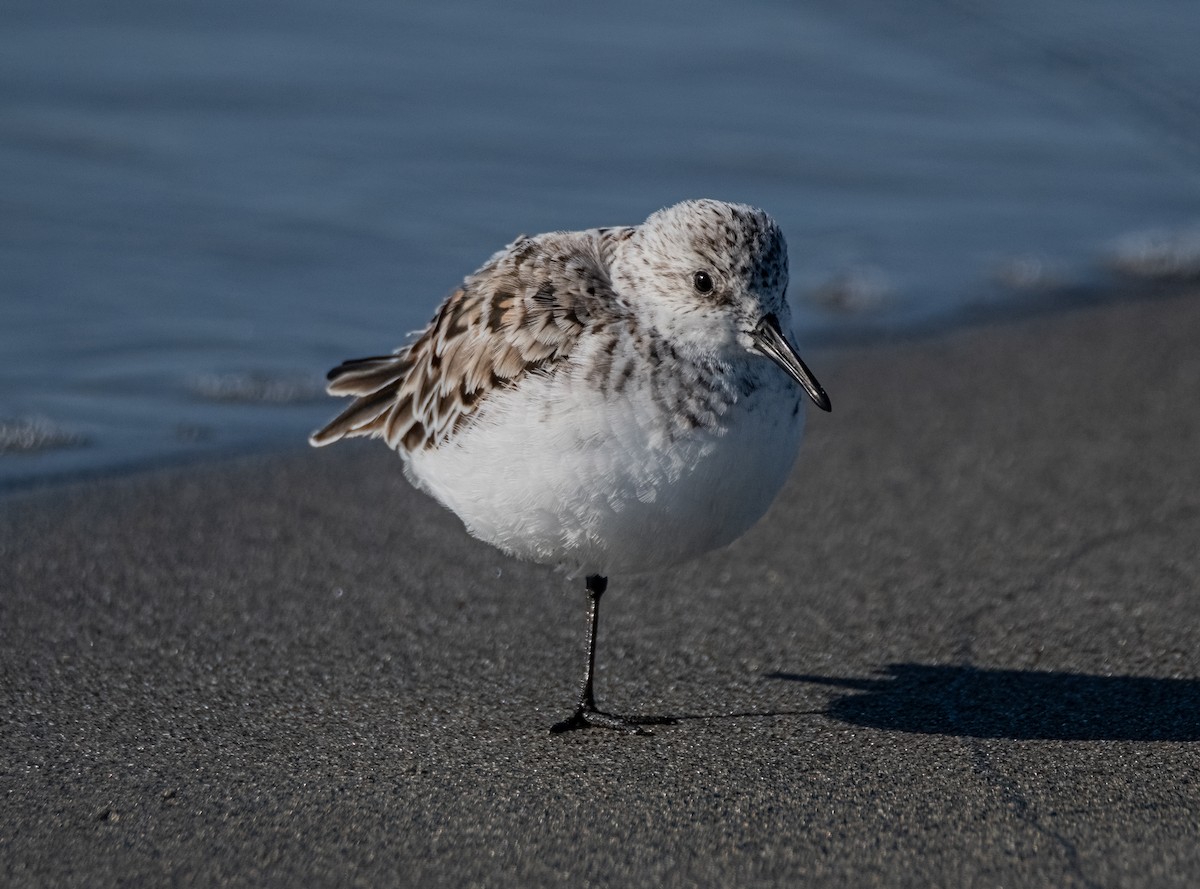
769 340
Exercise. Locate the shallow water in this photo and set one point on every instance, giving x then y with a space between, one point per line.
203 206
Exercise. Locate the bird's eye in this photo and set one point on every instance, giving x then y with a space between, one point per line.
703 282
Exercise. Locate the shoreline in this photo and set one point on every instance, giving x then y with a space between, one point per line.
1017 308
963 647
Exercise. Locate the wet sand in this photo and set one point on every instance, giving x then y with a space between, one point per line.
962 649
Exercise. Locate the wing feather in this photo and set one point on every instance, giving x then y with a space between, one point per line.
523 311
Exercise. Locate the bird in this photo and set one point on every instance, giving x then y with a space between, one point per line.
607 401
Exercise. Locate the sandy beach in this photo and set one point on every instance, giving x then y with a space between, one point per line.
962 649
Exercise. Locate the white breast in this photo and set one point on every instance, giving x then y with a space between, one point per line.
554 471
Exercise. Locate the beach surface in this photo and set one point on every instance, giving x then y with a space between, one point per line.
962 649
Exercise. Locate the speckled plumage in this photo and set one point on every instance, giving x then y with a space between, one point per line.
609 400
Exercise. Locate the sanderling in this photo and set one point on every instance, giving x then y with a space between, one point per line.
607 401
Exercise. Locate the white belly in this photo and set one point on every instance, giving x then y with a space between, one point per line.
554 472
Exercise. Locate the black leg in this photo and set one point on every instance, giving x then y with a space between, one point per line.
596 585
586 713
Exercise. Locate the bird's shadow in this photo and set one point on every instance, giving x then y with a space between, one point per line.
1015 704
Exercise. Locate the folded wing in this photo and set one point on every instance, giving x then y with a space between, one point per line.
521 313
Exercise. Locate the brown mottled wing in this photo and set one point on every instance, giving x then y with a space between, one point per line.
521 313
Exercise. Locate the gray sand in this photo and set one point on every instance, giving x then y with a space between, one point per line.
962 649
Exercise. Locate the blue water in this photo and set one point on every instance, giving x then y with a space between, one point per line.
205 205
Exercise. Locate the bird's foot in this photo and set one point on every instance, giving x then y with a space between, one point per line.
590 717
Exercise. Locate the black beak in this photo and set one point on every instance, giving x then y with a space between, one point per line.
769 340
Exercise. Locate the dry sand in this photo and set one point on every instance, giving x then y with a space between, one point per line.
962 649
